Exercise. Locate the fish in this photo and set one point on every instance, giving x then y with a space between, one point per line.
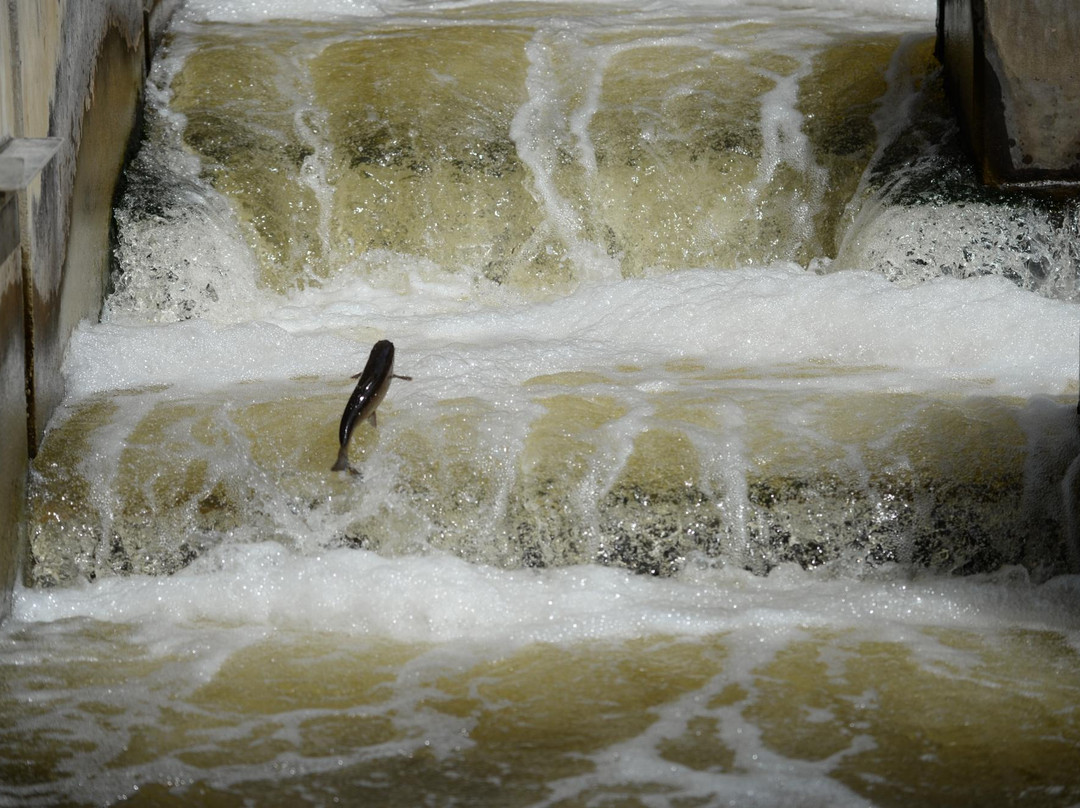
365 399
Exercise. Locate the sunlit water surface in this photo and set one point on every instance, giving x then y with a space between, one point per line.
739 464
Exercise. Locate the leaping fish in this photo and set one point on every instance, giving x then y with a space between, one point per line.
365 399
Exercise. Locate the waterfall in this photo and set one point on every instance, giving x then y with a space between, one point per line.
594 243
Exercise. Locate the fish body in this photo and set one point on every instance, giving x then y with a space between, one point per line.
366 397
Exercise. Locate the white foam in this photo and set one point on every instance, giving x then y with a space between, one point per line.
258 10
981 335
439 598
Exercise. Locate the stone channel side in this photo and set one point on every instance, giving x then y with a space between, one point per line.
73 70
1012 69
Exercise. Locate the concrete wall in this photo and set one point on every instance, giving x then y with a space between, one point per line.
74 70
13 443
13 447
1011 68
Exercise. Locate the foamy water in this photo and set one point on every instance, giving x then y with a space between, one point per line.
441 599
259 10
982 335
203 665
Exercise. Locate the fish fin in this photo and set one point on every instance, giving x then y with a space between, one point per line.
403 378
373 421
342 461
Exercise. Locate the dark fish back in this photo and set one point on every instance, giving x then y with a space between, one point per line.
380 364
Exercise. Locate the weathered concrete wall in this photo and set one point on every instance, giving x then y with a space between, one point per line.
1011 68
13 448
72 70
90 45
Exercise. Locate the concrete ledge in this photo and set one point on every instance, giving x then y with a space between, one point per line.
1011 68
77 72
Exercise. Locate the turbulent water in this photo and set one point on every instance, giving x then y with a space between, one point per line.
739 463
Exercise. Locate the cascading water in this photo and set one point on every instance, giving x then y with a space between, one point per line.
705 292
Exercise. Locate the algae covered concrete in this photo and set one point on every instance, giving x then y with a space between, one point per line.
1011 68
73 71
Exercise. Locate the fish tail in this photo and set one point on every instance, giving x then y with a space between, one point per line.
342 462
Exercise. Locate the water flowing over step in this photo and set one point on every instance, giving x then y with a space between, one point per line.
614 468
634 265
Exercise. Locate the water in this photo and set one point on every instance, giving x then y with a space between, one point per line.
739 464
